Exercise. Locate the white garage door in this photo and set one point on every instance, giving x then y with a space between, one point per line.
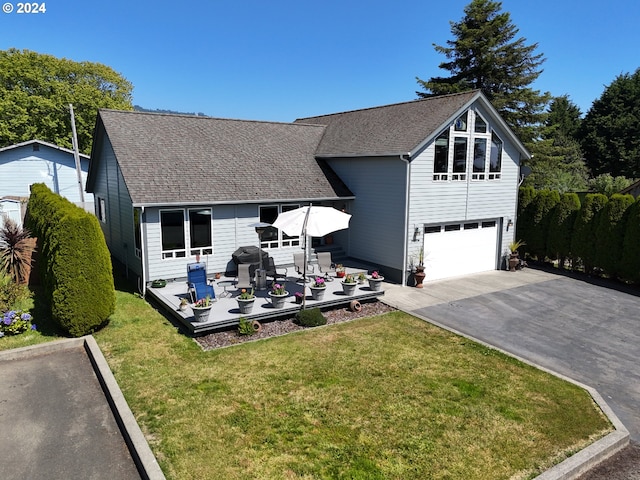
460 249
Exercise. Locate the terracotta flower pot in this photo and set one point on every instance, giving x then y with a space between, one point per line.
419 276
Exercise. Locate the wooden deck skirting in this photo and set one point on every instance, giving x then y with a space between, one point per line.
225 312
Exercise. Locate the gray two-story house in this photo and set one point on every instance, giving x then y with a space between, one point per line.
435 179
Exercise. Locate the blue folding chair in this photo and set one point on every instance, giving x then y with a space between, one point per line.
197 282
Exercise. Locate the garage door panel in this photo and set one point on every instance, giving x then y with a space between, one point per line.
460 252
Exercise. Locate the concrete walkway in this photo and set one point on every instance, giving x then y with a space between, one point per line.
584 331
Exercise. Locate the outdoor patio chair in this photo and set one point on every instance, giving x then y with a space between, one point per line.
197 282
272 270
299 264
243 279
325 264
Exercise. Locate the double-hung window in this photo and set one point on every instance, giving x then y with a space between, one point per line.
200 232
173 237
272 237
174 233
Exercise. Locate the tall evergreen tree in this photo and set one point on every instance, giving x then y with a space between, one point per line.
486 55
564 118
557 162
609 131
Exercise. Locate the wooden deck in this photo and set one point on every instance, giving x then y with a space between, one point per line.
225 312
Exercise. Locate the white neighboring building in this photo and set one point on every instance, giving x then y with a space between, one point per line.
36 161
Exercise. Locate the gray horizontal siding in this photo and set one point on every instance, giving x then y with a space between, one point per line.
230 230
438 202
118 229
378 219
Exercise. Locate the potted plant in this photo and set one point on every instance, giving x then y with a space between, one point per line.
318 287
340 271
419 275
278 294
201 309
246 300
375 280
298 296
349 285
361 278
183 303
514 256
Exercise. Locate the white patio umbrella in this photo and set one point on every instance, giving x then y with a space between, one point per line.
311 221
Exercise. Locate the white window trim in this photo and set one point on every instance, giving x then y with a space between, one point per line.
280 242
206 250
470 134
178 252
101 209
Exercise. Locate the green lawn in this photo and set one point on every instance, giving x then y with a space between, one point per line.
382 397
385 397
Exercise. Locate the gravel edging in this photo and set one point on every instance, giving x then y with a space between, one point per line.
275 328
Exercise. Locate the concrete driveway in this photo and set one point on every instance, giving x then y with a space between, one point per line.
584 331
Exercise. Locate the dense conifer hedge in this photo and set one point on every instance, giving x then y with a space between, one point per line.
540 210
561 224
600 234
630 265
74 262
610 230
583 244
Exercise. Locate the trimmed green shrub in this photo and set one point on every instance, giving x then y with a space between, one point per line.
11 293
561 224
610 229
312 317
74 262
630 262
526 195
540 215
583 243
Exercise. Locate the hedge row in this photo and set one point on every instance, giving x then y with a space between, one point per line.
74 262
598 234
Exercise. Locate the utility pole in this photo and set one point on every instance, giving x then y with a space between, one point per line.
76 154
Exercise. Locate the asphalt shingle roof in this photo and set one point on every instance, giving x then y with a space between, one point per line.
168 158
388 130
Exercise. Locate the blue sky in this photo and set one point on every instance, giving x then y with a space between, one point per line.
281 60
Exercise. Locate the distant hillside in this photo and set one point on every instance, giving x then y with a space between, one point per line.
138 108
